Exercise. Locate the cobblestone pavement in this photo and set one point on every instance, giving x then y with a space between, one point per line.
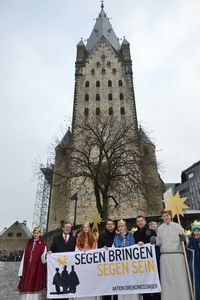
9 281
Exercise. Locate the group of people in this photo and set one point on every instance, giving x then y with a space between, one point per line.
168 239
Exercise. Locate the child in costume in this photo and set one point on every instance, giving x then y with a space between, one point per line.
194 258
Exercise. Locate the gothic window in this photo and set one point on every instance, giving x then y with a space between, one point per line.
108 63
109 83
97 97
110 97
93 71
87 97
103 71
120 83
87 84
114 70
121 96
86 111
122 111
97 83
110 111
98 63
97 111
103 56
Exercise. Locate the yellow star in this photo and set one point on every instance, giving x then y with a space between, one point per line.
175 204
96 219
62 260
134 229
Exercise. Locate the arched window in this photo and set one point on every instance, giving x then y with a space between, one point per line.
109 83
97 97
110 111
122 111
103 56
93 71
86 111
121 96
97 111
98 63
87 97
108 63
110 97
103 71
120 83
114 70
97 83
87 84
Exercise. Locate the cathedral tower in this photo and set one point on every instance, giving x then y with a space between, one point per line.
103 88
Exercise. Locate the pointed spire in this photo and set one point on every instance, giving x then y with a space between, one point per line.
143 136
67 138
102 28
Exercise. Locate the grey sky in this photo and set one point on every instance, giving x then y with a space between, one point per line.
37 55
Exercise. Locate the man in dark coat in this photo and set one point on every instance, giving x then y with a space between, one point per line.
142 236
64 242
105 241
106 238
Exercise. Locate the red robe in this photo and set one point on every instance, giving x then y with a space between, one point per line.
33 278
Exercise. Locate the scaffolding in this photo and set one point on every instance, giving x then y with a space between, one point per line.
43 195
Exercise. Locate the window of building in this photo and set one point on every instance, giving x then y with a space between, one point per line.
121 96
114 70
110 111
86 111
103 71
87 97
109 83
19 234
10 234
110 97
97 97
98 63
103 56
93 71
190 175
122 111
108 63
87 84
120 83
97 111
97 83
146 150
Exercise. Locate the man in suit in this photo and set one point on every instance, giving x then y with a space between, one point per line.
64 242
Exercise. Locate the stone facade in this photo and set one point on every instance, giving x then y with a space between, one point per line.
104 87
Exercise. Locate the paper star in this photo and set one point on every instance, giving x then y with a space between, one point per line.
175 204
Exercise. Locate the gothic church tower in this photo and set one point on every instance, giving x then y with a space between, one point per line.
103 86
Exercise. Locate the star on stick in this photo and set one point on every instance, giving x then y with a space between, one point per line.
176 204
96 220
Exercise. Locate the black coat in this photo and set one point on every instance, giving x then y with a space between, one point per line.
106 239
59 245
143 235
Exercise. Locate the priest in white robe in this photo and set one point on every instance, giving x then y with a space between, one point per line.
174 281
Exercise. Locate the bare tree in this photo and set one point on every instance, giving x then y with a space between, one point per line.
106 152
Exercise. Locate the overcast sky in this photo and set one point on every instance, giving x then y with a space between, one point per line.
37 54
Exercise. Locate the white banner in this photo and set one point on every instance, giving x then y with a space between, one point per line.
130 270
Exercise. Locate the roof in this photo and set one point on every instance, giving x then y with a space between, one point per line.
21 225
66 140
125 42
81 43
102 28
143 137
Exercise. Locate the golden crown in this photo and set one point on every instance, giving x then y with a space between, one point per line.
121 222
38 228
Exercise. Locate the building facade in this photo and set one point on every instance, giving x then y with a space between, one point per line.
13 240
190 186
103 89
